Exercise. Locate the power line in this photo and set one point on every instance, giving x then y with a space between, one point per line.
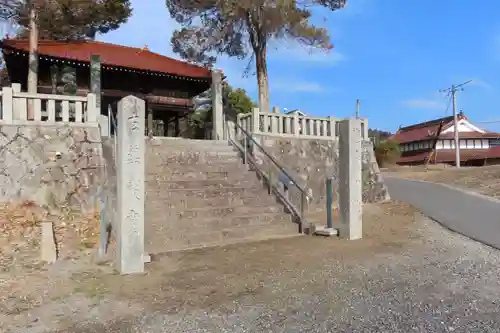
449 104
487 122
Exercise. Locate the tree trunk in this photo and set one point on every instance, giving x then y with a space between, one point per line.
33 58
262 78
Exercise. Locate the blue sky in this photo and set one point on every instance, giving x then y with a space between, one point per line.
393 55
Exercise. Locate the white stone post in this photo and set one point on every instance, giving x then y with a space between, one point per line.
255 120
91 112
104 124
130 185
350 179
17 104
217 106
296 124
364 129
7 105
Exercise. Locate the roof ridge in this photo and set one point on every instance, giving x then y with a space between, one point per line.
89 41
426 123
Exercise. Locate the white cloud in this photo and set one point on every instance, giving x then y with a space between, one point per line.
424 104
311 87
293 52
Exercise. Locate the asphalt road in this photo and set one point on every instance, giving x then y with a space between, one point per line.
472 215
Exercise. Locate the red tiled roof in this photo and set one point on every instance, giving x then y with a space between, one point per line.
428 130
112 55
448 155
416 134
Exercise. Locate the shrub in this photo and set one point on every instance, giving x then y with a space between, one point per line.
387 152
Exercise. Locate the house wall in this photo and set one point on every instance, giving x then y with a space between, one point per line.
446 144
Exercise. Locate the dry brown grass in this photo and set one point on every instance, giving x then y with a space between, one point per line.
483 180
20 232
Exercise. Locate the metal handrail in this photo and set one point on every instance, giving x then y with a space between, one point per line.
304 196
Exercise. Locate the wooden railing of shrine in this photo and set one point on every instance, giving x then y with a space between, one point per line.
46 108
294 125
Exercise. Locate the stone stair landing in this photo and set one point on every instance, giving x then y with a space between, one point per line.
199 193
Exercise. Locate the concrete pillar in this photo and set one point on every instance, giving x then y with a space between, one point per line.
103 124
364 129
255 120
350 179
7 109
130 186
217 106
16 105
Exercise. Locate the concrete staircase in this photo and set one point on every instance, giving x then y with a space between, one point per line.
199 193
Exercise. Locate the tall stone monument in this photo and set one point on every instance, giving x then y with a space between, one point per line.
350 179
130 186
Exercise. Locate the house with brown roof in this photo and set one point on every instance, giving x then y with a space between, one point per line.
167 85
433 142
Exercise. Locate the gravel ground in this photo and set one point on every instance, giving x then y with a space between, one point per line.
407 275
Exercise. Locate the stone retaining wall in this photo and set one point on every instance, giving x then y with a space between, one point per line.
53 165
311 161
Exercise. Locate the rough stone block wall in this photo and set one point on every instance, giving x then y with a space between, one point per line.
109 187
311 161
53 165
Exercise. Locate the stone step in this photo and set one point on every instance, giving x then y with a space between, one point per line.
205 148
255 199
179 142
203 213
192 159
205 184
161 194
200 175
167 153
164 169
217 232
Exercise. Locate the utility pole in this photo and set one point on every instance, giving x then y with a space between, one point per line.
453 91
357 109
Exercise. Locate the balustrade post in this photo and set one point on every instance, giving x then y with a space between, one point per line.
7 105
255 120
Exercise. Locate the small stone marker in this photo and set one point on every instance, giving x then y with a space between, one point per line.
48 246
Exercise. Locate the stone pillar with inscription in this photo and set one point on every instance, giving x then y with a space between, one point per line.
130 186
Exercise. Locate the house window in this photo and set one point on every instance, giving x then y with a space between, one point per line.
478 144
486 143
439 144
463 144
494 143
